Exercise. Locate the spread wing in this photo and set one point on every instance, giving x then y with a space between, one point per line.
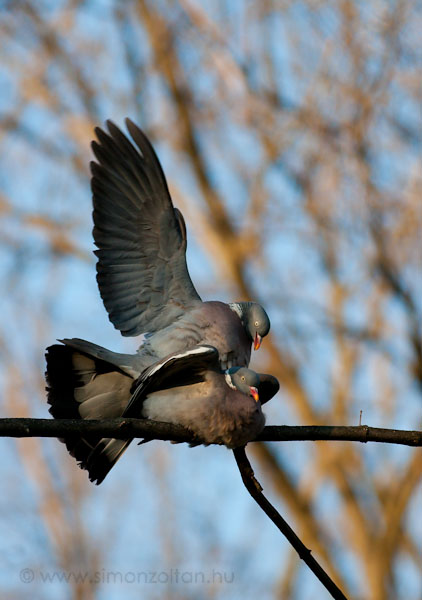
183 368
141 238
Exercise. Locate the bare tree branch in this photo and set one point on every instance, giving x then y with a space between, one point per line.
255 489
157 430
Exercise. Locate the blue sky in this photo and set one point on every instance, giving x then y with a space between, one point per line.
165 507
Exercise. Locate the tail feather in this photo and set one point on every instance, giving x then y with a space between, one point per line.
104 456
131 364
80 386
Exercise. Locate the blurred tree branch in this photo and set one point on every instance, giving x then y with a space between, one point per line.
313 114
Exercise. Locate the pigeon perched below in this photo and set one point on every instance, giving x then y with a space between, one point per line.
141 271
185 388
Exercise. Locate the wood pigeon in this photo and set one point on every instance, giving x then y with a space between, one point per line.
141 270
186 388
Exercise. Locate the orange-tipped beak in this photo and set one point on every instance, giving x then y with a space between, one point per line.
254 393
257 341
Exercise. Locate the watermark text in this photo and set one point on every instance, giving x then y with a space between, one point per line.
104 576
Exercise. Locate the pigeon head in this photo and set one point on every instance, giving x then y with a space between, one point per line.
244 380
254 319
257 323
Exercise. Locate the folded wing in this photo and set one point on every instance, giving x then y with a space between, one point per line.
178 369
184 368
268 387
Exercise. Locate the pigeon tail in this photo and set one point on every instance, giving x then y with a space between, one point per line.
80 386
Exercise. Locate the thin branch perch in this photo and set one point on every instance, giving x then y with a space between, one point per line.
143 428
255 489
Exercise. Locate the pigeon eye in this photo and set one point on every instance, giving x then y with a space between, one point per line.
256 323
243 378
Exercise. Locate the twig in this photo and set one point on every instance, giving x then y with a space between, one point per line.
359 433
254 488
126 428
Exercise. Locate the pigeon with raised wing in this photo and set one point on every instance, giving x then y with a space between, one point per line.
185 388
141 270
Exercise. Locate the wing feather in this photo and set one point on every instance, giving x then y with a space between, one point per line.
180 368
268 387
141 238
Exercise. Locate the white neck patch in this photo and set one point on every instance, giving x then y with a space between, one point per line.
229 382
237 308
